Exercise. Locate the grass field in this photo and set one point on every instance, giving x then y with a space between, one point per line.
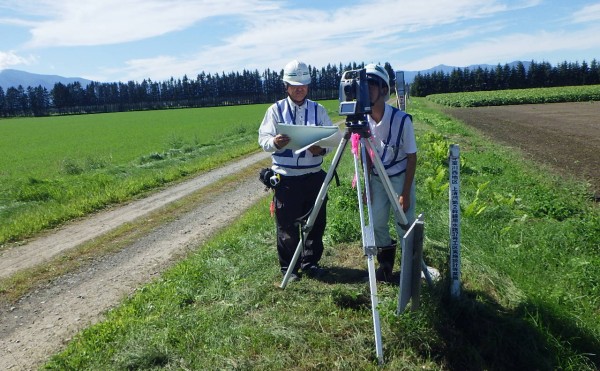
55 169
530 295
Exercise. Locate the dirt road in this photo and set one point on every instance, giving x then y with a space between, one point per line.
42 322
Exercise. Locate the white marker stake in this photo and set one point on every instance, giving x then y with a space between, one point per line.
454 204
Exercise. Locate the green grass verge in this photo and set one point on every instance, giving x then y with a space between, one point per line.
530 295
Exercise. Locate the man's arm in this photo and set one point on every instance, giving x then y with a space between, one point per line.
267 132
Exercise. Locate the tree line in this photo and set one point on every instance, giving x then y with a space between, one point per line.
205 90
252 87
536 75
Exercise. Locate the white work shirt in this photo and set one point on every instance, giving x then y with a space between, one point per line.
394 138
285 111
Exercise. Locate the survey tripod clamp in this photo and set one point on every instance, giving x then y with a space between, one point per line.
357 124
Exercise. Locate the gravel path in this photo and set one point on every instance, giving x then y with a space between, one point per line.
43 322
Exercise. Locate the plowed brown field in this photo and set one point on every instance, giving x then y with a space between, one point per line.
565 136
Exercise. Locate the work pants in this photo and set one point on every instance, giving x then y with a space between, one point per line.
382 207
294 198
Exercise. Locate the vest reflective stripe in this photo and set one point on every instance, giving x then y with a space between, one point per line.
287 158
389 137
394 165
292 113
280 113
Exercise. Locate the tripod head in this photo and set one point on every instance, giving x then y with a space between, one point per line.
358 124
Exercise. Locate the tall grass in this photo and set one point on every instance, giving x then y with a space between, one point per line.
529 297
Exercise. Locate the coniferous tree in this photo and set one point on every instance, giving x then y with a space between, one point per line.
255 87
391 73
2 103
39 100
594 73
13 102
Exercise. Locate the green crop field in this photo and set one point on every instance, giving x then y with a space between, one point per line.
519 96
54 169
37 147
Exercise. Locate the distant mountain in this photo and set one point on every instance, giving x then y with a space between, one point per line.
409 76
14 78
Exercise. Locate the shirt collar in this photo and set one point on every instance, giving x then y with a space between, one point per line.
387 111
293 104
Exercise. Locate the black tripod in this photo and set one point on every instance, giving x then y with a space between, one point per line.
357 124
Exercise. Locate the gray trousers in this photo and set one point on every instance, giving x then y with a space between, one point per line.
382 208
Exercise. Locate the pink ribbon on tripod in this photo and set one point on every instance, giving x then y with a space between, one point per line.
355 141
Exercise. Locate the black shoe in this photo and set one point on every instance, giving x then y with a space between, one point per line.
314 271
383 275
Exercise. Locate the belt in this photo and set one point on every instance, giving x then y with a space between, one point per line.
298 177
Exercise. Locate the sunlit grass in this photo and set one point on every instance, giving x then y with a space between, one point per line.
529 294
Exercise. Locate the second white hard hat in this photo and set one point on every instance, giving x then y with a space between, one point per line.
376 70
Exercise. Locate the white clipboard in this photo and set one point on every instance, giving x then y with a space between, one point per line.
302 137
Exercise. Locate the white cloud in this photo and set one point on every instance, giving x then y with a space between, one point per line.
511 47
11 59
158 68
270 33
85 23
590 13
348 32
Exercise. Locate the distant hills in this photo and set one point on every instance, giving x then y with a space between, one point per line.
409 76
14 78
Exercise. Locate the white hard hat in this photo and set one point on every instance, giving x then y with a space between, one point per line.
376 70
296 73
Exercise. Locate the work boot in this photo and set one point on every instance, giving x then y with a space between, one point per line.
385 257
384 274
314 271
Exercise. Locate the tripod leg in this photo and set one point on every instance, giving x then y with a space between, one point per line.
370 250
316 208
374 310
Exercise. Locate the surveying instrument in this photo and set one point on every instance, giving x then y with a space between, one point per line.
355 104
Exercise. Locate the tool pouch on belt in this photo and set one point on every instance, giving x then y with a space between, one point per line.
269 178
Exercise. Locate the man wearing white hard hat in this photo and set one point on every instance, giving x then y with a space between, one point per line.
393 134
301 175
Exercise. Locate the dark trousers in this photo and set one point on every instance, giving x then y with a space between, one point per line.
294 198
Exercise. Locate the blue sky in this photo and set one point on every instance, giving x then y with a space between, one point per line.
122 40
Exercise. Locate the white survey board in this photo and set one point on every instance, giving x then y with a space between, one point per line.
304 136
